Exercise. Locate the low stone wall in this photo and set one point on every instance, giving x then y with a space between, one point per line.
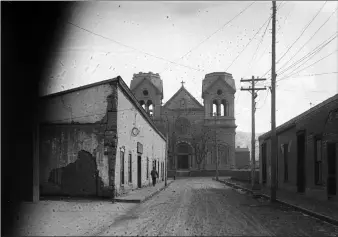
171 173
241 175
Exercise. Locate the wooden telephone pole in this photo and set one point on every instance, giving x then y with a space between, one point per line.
253 90
216 146
274 145
166 161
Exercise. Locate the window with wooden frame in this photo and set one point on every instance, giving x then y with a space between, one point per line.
130 169
318 162
122 167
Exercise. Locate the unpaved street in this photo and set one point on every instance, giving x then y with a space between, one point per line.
201 206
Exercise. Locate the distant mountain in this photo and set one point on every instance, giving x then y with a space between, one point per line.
243 139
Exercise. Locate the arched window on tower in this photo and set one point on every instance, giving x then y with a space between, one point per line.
150 108
222 108
214 110
225 108
143 104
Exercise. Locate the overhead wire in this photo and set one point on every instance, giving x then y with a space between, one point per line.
316 74
208 37
286 77
308 40
94 114
248 44
135 49
267 93
297 38
277 33
259 44
252 38
301 33
309 56
268 21
321 91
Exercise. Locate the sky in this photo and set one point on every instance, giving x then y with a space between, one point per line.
103 40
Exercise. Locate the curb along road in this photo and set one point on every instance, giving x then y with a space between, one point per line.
141 200
303 210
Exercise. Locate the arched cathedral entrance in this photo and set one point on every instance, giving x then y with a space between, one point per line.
183 152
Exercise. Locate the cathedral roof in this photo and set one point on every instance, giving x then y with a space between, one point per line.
183 93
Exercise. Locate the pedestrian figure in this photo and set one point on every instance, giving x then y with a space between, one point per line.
154 175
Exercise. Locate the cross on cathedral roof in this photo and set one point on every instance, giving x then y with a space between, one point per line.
182 82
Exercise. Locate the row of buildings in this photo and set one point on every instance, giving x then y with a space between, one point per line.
307 160
103 139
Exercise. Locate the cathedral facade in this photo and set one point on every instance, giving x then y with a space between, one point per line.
197 133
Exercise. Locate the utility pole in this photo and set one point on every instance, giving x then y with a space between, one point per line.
216 149
253 90
274 145
166 162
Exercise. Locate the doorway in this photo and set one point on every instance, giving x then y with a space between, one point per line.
139 171
264 170
301 180
332 169
183 156
286 162
182 162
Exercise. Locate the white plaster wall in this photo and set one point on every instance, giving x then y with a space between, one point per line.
153 143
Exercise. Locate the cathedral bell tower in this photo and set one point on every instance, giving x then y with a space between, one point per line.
218 93
148 89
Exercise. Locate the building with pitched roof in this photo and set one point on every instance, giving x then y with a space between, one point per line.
95 140
194 130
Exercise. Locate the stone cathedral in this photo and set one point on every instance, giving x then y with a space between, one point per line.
197 133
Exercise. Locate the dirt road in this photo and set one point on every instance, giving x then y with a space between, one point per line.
201 206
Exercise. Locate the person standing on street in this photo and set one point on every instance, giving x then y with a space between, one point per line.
154 175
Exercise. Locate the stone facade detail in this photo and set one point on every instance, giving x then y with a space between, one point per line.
193 129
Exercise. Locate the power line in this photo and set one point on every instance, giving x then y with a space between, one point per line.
308 39
302 32
307 66
322 91
277 33
317 74
88 115
252 38
130 47
207 38
247 44
311 55
298 37
259 44
308 56
267 93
